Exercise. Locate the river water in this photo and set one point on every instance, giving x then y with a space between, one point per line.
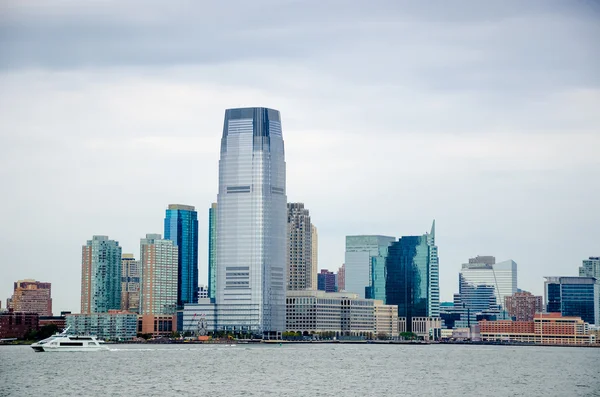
303 370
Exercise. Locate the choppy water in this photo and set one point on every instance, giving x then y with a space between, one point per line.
302 370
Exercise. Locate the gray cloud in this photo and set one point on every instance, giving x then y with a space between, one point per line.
480 114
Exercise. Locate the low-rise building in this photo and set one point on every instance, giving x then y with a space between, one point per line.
59 321
546 328
428 328
157 324
345 314
17 324
115 325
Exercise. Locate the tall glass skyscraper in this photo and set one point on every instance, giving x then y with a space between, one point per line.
100 275
181 227
484 271
251 223
412 279
364 265
212 251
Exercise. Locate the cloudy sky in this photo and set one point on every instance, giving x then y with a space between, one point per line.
484 115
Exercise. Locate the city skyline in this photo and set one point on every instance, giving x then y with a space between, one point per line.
394 115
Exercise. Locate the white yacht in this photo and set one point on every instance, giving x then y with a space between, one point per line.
61 342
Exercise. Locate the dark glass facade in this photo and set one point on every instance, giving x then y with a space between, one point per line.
212 251
181 227
573 297
407 266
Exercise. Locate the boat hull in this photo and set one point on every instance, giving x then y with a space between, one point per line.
62 349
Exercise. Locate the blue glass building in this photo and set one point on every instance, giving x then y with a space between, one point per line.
412 277
181 227
573 297
212 251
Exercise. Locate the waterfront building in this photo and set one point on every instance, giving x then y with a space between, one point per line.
156 324
545 328
130 283
181 227
100 275
327 281
314 237
30 296
212 251
345 314
427 328
360 254
341 279
573 296
252 223
523 305
300 248
115 325
159 284
59 321
17 324
201 314
483 270
412 278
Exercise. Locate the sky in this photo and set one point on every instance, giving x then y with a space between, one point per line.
484 116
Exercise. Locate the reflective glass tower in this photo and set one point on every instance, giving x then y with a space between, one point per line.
412 277
362 254
573 296
251 223
181 227
212 251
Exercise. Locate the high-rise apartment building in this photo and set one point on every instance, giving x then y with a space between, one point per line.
591 268
300 248
342 278
212 251
181 227
314 237
159 261
251 223
100 275
130 283
412 276
32 296
327 281
523 305
483 270
573 297
361 253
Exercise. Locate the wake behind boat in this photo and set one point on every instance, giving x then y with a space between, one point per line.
62 342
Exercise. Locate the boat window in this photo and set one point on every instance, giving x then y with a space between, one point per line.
71 343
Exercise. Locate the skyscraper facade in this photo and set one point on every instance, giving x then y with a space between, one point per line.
342 277
300 248
159 261
130 283
100 275
212 251
484 271
181 227
314 237
360 251
412 276
32 296
591 268
251 223
573 297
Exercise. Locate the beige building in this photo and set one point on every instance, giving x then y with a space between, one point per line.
130 283
31 296
315 312
158 289
426 328
314 236
301 272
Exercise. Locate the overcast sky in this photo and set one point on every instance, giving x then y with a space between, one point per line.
484 115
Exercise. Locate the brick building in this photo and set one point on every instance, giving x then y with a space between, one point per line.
17 324
32 296
522 306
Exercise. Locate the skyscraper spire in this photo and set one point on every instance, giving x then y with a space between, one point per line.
432 234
